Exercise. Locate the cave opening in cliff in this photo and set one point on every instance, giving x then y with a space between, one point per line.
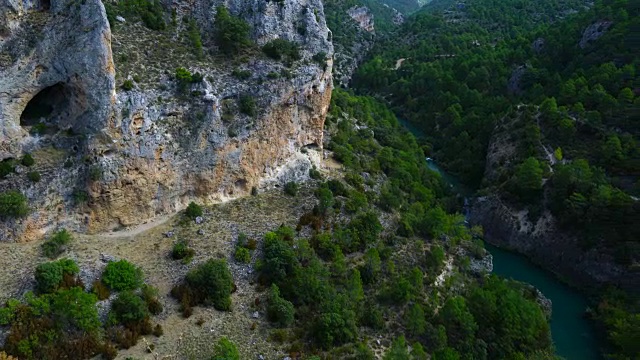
46 4
49 102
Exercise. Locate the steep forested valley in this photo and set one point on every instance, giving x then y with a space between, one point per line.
306 179
537 103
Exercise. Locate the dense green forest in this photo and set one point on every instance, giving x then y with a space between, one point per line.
553 79
359 278
466 72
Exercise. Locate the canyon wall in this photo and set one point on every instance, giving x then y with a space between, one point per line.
111 158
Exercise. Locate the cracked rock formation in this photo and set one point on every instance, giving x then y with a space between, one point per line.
112 158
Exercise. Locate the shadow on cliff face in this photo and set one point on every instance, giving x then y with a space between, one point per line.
59 106
49 102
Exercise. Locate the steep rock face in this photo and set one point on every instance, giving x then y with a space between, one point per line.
540 238
64 46
151 150
544 243
593 32
351 51
363 17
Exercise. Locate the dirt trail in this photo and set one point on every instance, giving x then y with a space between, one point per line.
148 247
136 230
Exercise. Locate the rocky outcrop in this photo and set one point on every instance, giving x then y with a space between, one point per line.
547 245
122 157
514 85
363 17
61 48
350 51
593 32
538 45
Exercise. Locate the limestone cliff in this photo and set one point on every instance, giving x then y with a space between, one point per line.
111 157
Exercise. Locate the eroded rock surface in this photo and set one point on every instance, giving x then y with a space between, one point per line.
593 32
111 158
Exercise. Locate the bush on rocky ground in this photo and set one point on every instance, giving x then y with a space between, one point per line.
13 204
51 276
211 283
122 275
193 210
56 244
225 349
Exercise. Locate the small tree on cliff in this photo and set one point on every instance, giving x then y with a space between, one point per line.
232 33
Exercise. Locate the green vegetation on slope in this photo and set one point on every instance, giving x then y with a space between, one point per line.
355 277
523 75
61 321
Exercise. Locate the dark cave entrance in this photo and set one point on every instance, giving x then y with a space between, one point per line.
46 4
47 104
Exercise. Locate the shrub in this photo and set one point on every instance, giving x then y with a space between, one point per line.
183 75
152 15
149 11
75 308
211 283
247 105
197 78
337 188
278 49
129 309
80 196
372 317
279 259
315 174
27 160
7 167
415 321
56 244
122 275
181 251
13 204
95 173
325 200
321 59
184 79
291 188
194 36
127 85
34 176
225 350
279 310
50 275
232 33
242 239
157 330
242 255
101 290
357 201
241 74
193 210
150 296
61 325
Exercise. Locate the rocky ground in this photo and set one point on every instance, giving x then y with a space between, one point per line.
215 237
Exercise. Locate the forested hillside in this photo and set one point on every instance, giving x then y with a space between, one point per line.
535 101
465 69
